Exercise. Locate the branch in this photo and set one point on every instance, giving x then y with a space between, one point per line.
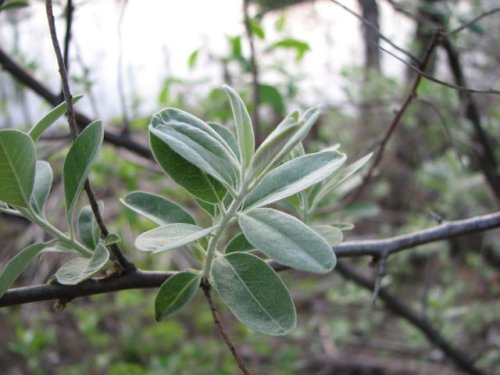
40 89
460 359
137 279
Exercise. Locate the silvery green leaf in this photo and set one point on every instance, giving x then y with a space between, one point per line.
175 293
244 129
189 176
42 185
157 208
330 233
17 264
170 236
287 240
254 293
17 167
294 176
79 269
238 243
79 160
199 149
88 229
51 117
228 136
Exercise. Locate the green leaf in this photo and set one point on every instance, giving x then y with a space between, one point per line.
254 293
270 95
17 167
228 136
51 117
42 185
294 176
320 191
79 160
156 208
17 264
88 229
170 236
287 240
112 238
79 269
13 5
257 29
238 243
244 129
190 177
330 233
193 58
175 293
200 149
299 46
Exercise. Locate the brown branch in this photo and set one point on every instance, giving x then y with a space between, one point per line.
137 279
69 25
459 358
24 77
121 260
467 24
205 285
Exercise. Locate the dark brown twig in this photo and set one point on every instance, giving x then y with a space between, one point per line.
205 285
472 21
137 279
69 25
394 123
115 250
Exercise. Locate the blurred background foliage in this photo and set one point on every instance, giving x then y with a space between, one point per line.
433 170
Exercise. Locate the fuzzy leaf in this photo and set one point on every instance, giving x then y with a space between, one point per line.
79 160
79 269
175 293
17 167
51 117
88 229
244 129
186 174
42 185
287 240
331 234
294 176
156 208
17 264
238 243
170 236
254 293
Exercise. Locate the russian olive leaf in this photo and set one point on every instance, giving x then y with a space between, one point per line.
228 136
170 236
294 176
42 185
17 167
287 240
244 129
321 191
51 117
170 116
81 156
238 243
88 229
200 149
254 293
175 293
156 208
79 269
330 233
17 264
112 238
190 177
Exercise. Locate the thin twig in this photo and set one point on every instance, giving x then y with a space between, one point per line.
472 21
120 72
69 25
460 359
394 123
115 250
255 71
205 285
138 279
